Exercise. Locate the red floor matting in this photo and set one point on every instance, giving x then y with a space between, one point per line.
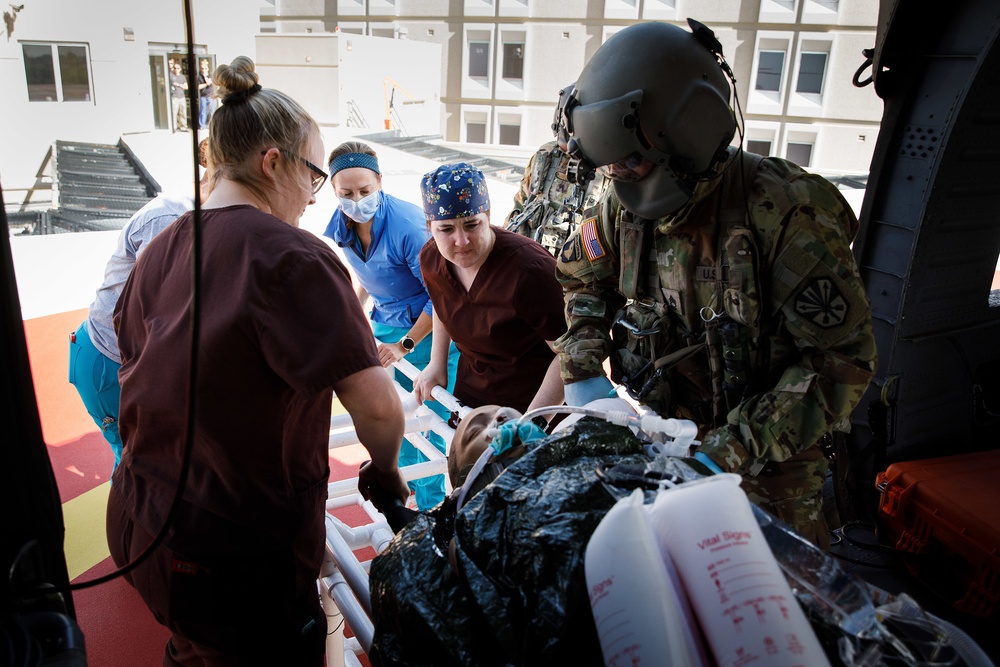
118 629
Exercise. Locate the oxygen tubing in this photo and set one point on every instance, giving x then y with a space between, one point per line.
683 431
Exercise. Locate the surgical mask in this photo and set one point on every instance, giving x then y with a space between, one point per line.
361 210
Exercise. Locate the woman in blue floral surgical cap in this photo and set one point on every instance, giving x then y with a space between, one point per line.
494 294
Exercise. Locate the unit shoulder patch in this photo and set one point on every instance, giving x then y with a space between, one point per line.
821 303
571 250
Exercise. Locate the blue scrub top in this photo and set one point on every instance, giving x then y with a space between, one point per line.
390 272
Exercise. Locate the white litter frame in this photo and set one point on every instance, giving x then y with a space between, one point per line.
343 581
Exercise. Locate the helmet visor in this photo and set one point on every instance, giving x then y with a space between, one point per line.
605 131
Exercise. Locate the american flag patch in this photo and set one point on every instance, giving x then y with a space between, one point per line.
591 244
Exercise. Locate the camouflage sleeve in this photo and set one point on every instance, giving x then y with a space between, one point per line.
587 268
819 305
523 190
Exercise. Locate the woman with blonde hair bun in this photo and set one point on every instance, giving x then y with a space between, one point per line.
243 63
280 330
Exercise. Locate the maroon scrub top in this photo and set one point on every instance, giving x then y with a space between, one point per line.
502 323
280 324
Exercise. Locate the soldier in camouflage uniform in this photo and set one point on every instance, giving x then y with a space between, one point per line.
548 203
722 285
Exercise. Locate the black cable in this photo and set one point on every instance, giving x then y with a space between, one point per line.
872 546
339 626
17 647
842 538
195 339
864 563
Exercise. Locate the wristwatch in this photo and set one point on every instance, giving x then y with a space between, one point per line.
407 343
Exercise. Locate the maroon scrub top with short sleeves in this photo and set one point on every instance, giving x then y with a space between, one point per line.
280 324
502 323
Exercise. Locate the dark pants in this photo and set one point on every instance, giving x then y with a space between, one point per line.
222 612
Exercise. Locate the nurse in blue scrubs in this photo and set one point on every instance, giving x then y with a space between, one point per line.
381 237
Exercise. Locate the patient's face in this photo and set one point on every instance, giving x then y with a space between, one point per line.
472 437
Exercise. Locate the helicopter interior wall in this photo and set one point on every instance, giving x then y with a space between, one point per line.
930 234
31 544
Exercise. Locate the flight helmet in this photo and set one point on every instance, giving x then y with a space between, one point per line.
651 109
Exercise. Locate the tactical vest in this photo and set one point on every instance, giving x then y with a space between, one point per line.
553 210
689 341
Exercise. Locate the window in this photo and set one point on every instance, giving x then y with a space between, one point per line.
620 9
759 146
513 8
799 153
659 9
812 66
776 11
513 61
761 137
56 72
479 59
820 11
510 135
769 68
479 8
475 133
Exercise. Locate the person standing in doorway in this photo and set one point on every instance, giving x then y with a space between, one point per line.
178 90
206 94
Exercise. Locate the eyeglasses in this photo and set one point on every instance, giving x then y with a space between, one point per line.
320 176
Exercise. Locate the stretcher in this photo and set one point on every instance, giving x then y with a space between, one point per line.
343 582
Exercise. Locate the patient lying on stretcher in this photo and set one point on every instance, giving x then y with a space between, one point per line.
486 441
492 437
499 579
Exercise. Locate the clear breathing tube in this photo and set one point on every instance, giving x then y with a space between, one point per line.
682 432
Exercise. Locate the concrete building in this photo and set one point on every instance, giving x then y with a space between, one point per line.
94 71
356 81
504 61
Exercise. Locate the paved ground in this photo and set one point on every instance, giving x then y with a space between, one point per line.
60 272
